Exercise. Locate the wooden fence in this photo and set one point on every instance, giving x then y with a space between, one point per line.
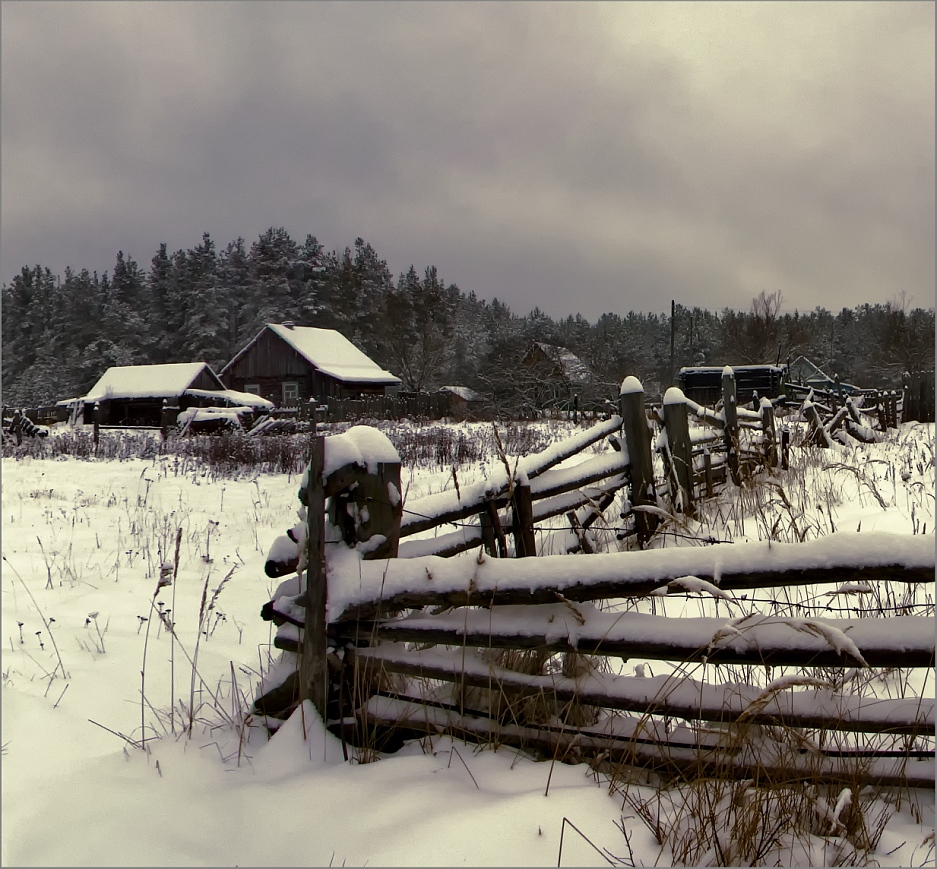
400 642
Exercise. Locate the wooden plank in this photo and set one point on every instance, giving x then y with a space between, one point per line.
673 696
759 640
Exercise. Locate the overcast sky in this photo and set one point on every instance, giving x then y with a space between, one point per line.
580 157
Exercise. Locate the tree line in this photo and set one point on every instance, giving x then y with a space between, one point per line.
60 333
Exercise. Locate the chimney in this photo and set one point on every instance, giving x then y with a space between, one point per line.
289 324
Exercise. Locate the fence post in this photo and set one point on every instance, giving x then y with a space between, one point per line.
730 409
96 431
379 494
678 450
769 439
785 447
313 669
525 544
638 438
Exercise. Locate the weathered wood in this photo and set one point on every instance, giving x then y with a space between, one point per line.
533 466
679 452
769 434
708 472
676 696
313 670
638 441
623 743
380 508
525 544
730 410
647 637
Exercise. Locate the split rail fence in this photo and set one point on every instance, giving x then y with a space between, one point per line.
395 640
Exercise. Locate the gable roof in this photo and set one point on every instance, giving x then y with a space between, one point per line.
568 363
329 351
149 381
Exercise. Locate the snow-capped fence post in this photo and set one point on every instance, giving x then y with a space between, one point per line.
313 669
638 439
680 473
730 409
96 431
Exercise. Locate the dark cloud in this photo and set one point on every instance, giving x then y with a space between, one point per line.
575 157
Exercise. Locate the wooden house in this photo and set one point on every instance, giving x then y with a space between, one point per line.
557 374
290 364
135 394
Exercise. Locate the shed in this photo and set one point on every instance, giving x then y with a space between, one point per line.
703 384
134 394
290 364
464 402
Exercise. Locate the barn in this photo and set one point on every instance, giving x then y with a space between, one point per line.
703 384
134 394
290 364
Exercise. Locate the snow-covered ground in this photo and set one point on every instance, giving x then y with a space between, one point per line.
89 669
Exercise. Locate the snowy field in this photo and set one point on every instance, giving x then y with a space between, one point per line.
89 671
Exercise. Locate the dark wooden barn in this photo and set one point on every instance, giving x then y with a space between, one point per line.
290 364
703 384
135 394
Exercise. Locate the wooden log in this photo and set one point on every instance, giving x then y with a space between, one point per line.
730 410
678 448
533 466
771 642
380 507
708 472
676 696
313 670
638 440
624 743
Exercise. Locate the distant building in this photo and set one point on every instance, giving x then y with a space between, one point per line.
803 371
559 374
135 394
290 364
464 403
703 383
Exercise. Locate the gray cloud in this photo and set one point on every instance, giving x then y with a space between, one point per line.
576 157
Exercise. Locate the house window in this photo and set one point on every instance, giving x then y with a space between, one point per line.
253 388
290 393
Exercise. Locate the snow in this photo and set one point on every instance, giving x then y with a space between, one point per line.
361 445
630 384
147 381
332 353
674 395
77 794
242 399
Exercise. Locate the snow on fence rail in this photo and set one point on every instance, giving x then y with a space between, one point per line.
445 629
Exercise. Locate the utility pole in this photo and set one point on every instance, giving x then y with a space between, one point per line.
673 321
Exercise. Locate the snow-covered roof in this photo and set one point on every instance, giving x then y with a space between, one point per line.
803 368
329 351
571 366
464 392
242 399
149 381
